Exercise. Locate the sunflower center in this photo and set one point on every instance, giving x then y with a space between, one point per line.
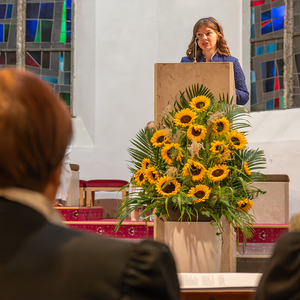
195 171
199 194
141 177
147 165
200 105
153 175
235 141
169 188
196 132
217 173
220 149
169 153
185 119
161 139
220 126
243 205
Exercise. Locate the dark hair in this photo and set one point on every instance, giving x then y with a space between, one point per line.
35 129
212 23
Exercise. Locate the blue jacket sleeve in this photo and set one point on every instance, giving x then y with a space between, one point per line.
242 94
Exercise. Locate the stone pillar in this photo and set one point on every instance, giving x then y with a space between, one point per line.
21 33
288 54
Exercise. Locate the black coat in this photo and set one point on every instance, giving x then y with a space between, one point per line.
281 279
43 261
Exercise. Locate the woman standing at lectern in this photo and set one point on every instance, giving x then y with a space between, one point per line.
211 46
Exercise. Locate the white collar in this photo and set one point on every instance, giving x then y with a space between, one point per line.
34 200
213 55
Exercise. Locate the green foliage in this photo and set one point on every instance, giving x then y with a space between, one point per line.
210 174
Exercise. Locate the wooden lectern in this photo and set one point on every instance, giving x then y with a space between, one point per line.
171 79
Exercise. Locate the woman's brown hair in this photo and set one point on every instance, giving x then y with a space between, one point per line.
222 47
35 129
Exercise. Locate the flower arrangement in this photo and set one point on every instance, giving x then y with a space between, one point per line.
197 162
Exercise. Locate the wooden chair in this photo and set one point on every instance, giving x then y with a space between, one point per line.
93 186
82 192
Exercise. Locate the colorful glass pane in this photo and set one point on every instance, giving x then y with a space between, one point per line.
31 27
30 61
50 79
278 24
257 3
46 31
38 33
271 48
267 28
9 11
281 102
67 66
252 15
253 79
6 32
252 32
276 84
67 78
266 15
46 60
2 11
32 10
280 66
268 69
268 85
260 50
11 58
2 58
278 12
253 93
276 103
36 55
1 33
65 97
259 107
69 4
46 11
68 38
69 15
270 104
280 46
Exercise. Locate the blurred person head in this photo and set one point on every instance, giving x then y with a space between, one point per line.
150 125
204 29
35 129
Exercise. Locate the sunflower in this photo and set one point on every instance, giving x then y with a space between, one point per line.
194 169
145 163
170 189
200 103
152 175
171 152
218 172
159 138
140 177
196 132
184 117
200 191
237 140
245 205
221 125
218 147
246 168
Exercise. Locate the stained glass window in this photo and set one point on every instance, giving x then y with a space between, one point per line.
48 40
267 19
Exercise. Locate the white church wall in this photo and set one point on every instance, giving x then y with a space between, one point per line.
276 132
116 45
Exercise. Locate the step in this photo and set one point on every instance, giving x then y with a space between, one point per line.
106 227
81 214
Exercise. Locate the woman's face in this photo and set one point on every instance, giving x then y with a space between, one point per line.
207 39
